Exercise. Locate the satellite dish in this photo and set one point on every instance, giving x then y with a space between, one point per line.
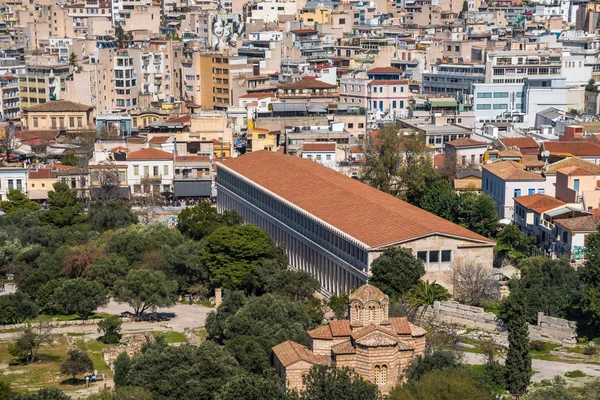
545 153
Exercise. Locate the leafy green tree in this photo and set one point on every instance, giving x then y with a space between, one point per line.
329 382
432 360
16 308
264 322
70 159
549 286
18 201
44 394
252 387
137 241
215 321
395 271
122 367
441 199
122 393
107 270
590 278
79 296
424 294
27 345
591 86
455 383
110 214
6 393
183 372
339 305
110 327
63 207
478 213
143 289
514 244
123 38
77 363
233 255
73 59
518 360
298 285
202 220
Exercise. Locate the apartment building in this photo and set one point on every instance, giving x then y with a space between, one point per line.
10 106
513 66
59 114
12 178
44 80
456 80
124 76
150 171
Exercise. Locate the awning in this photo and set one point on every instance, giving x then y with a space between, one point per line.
193 188
289 107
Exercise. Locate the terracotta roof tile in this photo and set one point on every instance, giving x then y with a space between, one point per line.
369 215
184 119
526 145
59 106
512 171
579 148
320 146
367 293
149 154
576 170
321 332
362 332
588 223
159 139
42 173
510 153
257 95
290 353
46 135
465 142
539 202
400 325
340 328
344 348
531 161
384 70
572 161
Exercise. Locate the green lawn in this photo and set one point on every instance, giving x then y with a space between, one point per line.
171 337
575 374
45 372
545 354
63 318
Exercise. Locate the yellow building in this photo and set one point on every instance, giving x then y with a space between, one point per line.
140 119
108 180
59 114
42 83
263 139
319 15
215 85
39 182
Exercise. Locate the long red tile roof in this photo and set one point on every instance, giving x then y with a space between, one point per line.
368 215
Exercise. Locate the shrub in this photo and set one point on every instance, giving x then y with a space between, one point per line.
575 374
590 350
537 345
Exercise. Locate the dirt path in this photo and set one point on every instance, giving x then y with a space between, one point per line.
544 370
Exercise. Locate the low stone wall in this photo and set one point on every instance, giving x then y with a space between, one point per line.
548 329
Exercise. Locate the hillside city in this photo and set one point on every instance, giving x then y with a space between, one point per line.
299 200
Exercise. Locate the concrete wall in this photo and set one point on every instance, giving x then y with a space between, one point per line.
548 329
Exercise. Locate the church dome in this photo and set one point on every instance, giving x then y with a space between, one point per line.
367 293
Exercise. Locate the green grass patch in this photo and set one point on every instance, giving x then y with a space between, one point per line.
492 307
75 334
171 337
64 318
544 353
575 374
202 334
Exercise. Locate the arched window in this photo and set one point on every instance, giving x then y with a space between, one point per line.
371 313
383 375
377 376
357 311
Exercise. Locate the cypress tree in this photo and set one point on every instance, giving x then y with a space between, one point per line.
518 361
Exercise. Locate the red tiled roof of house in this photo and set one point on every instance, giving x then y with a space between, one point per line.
184 119
587 223
159 139
118 149
576 170
340 328
539 202
512 171
465 142
320 146
42 173
531 161
149 154
572 161
526 145
384 70
369 215
439 160
42 134
580 148
290 353
59 106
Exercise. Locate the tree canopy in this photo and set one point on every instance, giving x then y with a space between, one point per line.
329 382
79 296
63 207
104 215
143 289
395 271
18 201
77 363
200 221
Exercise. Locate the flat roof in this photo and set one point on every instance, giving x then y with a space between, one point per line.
368 215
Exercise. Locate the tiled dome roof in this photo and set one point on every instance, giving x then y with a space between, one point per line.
367 293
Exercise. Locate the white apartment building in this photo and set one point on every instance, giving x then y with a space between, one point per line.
12 178
513 66
150 171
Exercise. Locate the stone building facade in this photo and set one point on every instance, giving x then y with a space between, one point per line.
376 346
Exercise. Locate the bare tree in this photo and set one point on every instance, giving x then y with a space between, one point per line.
28 344
147 199
473 282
